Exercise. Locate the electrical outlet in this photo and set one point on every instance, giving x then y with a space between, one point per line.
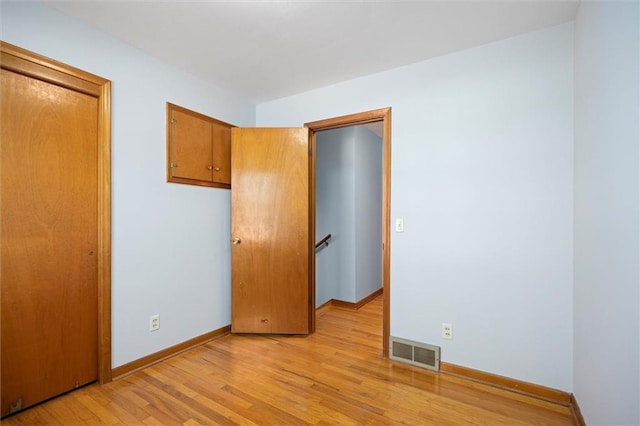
447 331
154 322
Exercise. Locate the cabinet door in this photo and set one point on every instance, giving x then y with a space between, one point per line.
221 147
198 148
190 139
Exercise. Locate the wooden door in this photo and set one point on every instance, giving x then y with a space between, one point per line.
272 263
49 214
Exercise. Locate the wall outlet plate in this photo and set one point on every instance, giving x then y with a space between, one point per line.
447 331
154 322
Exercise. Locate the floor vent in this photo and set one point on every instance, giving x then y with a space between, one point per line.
414 353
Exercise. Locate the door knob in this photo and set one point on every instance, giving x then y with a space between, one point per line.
236 241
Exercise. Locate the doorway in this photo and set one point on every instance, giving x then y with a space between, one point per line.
55 215
349 209
382 116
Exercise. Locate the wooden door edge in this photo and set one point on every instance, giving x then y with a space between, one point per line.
384 115
104 235
22 61
312 233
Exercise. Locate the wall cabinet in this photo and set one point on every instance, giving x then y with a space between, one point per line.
198 148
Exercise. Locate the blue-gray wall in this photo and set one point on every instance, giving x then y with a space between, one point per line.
368 212
349 207
335 183
606 180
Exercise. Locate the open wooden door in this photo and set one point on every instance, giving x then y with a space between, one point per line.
272 256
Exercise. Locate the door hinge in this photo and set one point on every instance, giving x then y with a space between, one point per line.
173 165
310 152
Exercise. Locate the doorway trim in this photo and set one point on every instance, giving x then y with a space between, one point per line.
25 62
384 115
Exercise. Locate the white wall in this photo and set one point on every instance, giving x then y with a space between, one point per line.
482 175
606 289
170 242
349 207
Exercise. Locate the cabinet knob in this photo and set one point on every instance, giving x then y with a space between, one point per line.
236 241
209 167
217 169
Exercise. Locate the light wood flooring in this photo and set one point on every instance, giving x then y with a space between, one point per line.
335 376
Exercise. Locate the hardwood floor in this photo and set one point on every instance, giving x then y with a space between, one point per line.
335 376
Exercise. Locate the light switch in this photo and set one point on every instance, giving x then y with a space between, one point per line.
399 225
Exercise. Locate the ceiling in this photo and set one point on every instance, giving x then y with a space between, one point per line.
264 50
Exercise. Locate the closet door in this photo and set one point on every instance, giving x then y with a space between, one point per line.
49 239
